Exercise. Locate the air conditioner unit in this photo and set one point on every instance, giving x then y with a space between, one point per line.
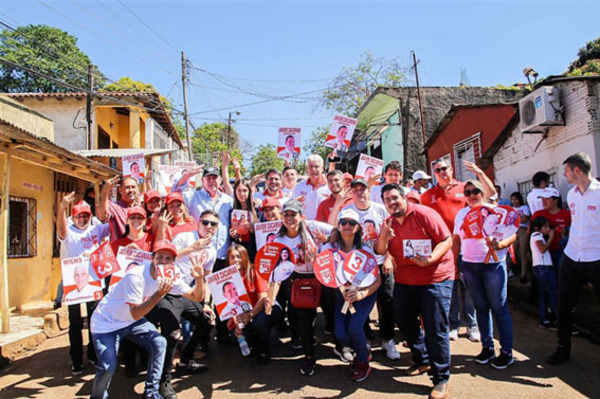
540 108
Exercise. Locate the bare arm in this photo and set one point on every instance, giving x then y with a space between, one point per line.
488 186
225 173
386 234
337 207
139 311
61 215
102 211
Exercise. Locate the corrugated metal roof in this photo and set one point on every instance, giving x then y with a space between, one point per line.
121 152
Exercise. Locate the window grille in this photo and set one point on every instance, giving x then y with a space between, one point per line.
22 227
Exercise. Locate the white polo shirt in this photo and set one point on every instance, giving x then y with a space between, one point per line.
584 237
313 196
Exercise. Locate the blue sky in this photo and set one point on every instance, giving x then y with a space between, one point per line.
279 48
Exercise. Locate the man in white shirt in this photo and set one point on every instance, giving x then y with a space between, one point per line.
580 263
540 181
392 174
273 187
421 182
290 179
313 191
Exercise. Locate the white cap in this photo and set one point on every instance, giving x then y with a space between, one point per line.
348 214
549 192
419 174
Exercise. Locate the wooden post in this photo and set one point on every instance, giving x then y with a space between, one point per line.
4 308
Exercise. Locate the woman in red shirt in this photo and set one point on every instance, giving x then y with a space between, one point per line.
135 236
242 201
256 323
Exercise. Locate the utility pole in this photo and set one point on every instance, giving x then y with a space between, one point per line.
415 62
88 105
229 128
185 106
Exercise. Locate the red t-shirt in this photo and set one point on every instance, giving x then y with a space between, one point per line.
253 289
558 222
446 202
185 227
326 206
421 223
144 243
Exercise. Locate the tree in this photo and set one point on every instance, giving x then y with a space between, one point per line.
210 140
265 159
588 60
316 144
46 50
351 88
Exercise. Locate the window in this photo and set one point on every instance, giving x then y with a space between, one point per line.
466 150
22 227
525 187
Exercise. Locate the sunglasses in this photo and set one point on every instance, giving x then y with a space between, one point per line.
475 191
209 223
441 169
344 222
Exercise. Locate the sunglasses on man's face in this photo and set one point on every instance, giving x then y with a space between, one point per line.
475 191
441 169
209 223
351 222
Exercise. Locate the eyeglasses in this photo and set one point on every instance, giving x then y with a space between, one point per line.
441 169
209 223
351 222
475 191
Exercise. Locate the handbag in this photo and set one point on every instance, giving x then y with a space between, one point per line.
306 293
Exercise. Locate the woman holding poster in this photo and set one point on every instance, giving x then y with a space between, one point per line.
487 282
349 329
256 324
244 206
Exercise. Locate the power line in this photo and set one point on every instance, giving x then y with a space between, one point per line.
267 80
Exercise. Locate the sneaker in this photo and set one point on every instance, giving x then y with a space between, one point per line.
485 355
474 335
308 368
361 372
390 350
296 343
191 367
453 335
561 355
503 361
415 370
76 370
344 353
166 390
440 391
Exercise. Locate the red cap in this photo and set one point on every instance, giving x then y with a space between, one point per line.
81 207
414 196
174 196
164 245
150 194
348 176
270 201
135 210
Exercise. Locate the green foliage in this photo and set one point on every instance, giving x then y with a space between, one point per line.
316 144
513 87
44 49
210 140
126 84
588 60
354 85
265 159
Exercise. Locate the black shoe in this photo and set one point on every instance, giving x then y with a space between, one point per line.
485 355
166 390
308 368
549 325
191 367
561 355
503 361
296 343
76 370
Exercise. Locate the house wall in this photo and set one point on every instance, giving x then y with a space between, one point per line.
517 160
391 142
29 279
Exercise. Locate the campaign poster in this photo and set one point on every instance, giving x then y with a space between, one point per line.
266 232
340 133
329 268
168 175
80 283
128 258
184 166
240 220
133 166
228 292
103 261
416 248
288 143
360 268
368 167
274 262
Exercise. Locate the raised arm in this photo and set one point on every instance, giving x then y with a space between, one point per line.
225 173
109 185
488 186
61 215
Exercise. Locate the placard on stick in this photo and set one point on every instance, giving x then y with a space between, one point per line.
368 166
340 133
288 143
134 166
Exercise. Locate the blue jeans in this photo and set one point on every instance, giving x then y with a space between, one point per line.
548 290
432 303
144 334
487 284
348 327
461 300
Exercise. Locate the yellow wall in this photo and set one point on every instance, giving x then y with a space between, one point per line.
125 132
25 118
29 279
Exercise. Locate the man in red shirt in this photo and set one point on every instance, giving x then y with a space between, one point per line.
420 243
116 212
335 182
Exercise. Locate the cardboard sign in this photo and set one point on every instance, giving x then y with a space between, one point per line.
274 262
474 220
288 143
167 271
128 258
413 248
329 268
184 166
80 283
168 176
340 133
239 220
368 166
134 166
228 292
103 261
266 232
508 222
360 268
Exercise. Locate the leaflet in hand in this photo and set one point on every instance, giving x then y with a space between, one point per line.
228 292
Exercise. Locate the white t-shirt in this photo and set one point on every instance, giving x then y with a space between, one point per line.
533 200
184 264
537 257
523 211
78 241
113 311
376 193
371 220
260 195
473 249
295 244
312 197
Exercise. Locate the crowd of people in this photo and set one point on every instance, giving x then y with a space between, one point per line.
434 273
